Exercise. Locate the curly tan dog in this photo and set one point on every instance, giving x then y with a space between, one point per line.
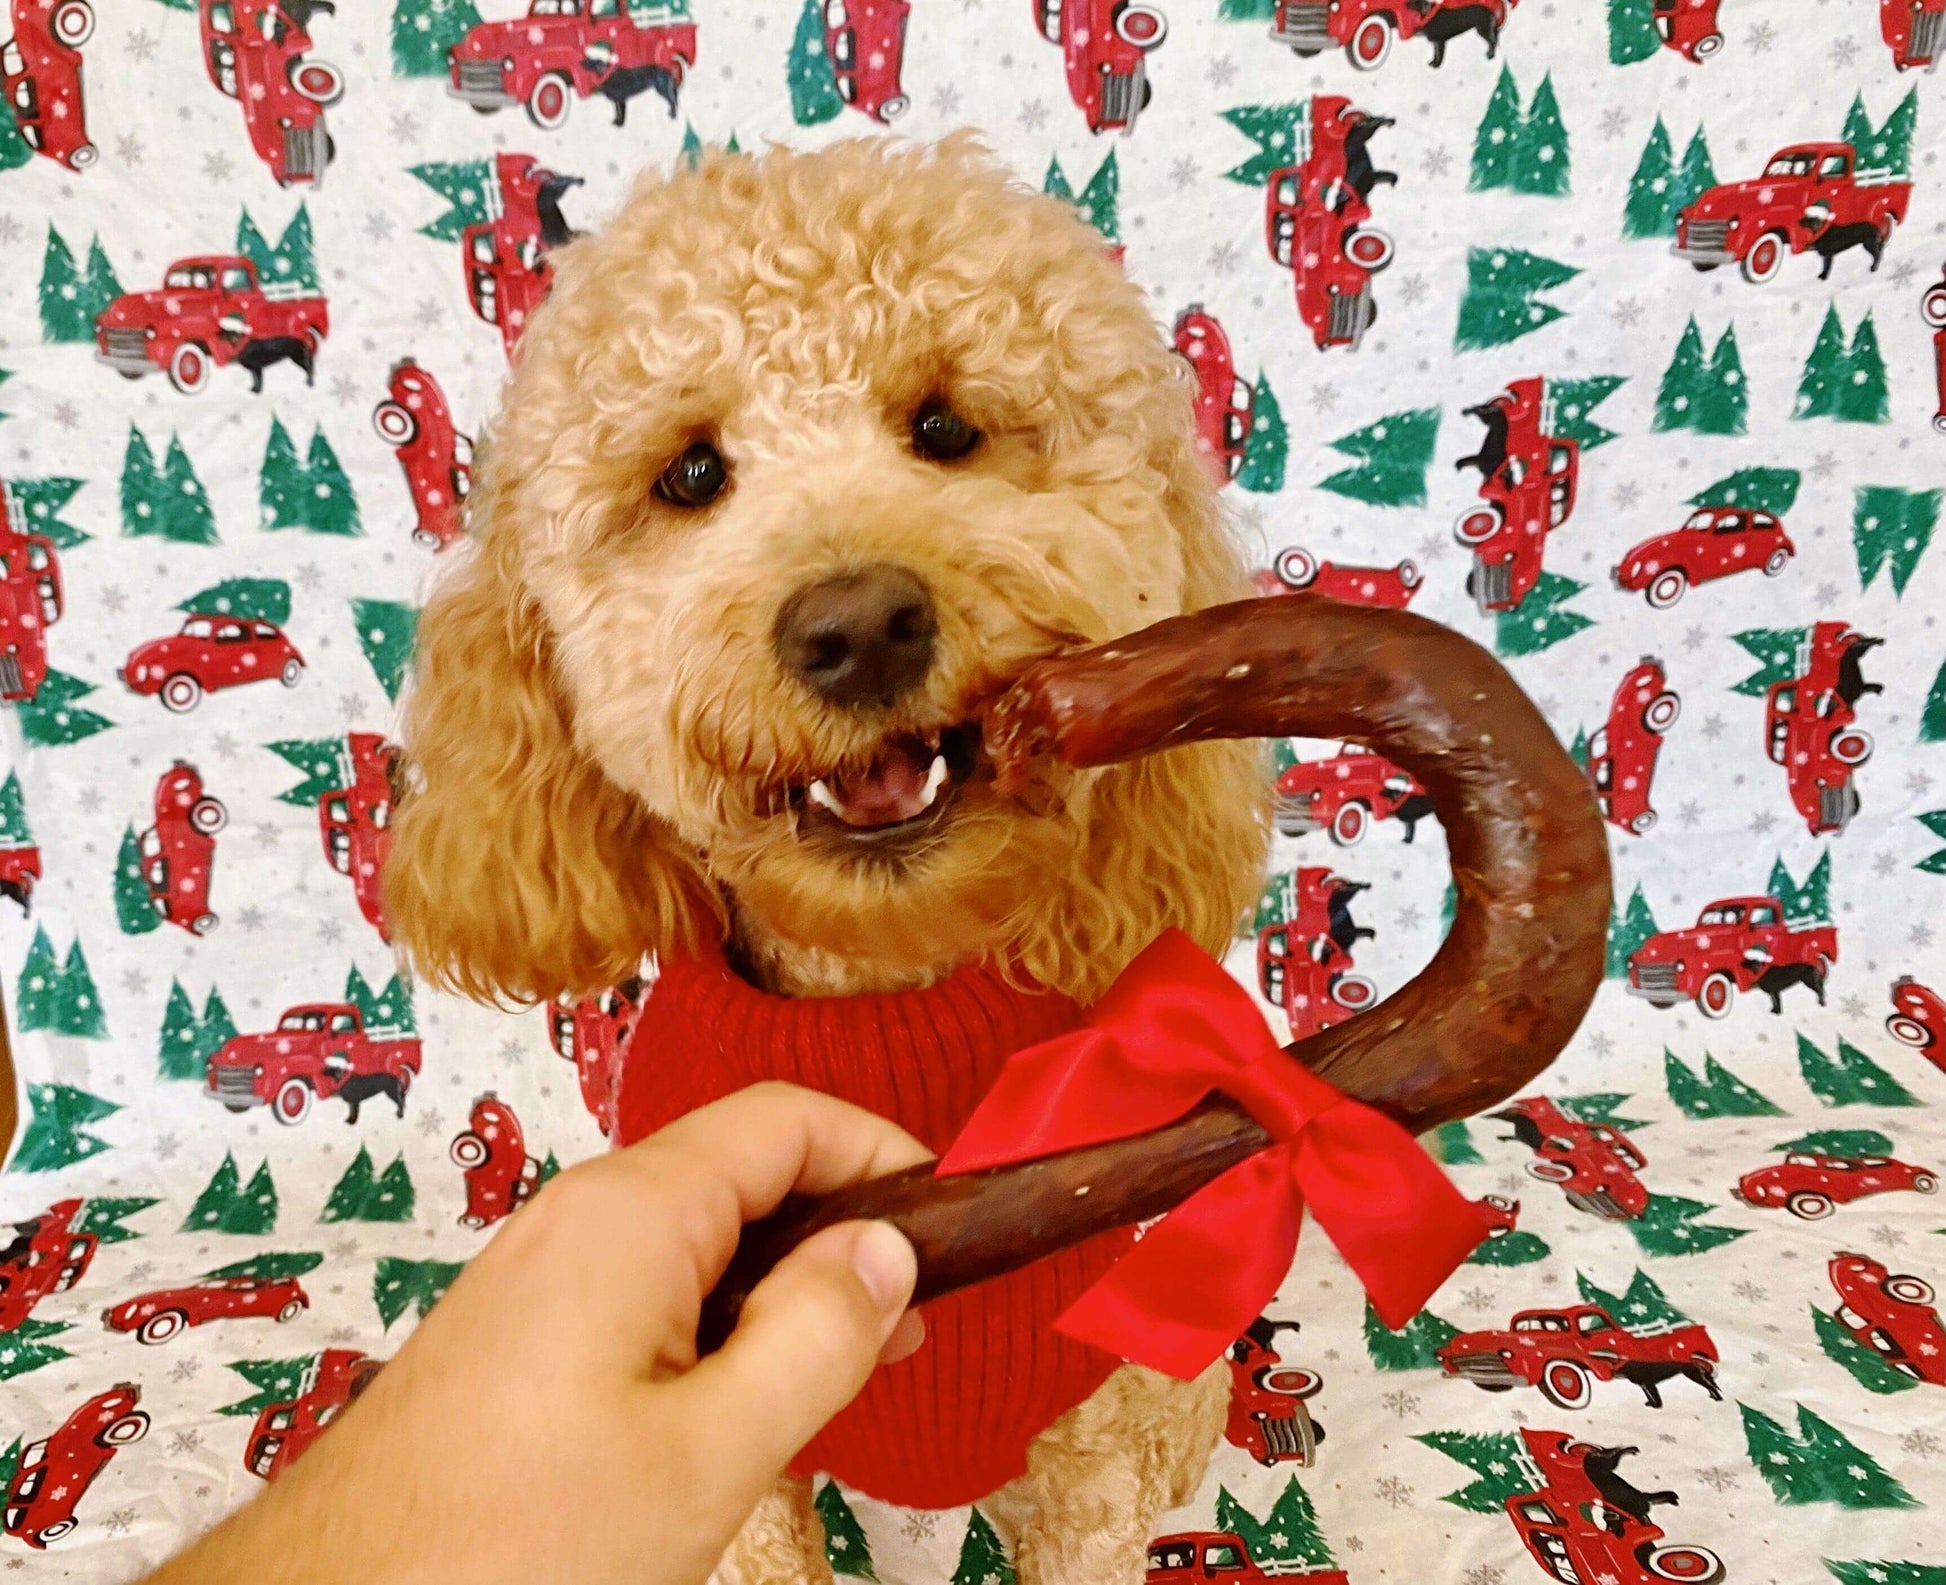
806 454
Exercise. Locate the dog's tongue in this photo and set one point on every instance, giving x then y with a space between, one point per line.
896 786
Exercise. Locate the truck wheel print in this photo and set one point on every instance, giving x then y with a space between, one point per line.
293 1103
180 693
1690 1565
1369 248
550 101
1142 26
1353 991
1348 825
318 81
161 1326
1716 995
1851 746
1765 258
1371 45
1550 1171
189 367
1478 524
1566 1384
1296 1381
1296 567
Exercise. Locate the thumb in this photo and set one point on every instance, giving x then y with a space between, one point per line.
804 1346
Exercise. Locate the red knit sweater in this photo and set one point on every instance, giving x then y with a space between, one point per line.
951 1423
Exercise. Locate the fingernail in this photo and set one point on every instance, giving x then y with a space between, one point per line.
885 1264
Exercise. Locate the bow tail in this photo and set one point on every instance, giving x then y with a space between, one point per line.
1196 1279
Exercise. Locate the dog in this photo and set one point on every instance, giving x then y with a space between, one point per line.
355 1091
806 455
1852 685
1780 977
619 84
1650 1378
555 230
1445 23
1834 240
1492 455
1616 1492
300 12
1360 174
258 355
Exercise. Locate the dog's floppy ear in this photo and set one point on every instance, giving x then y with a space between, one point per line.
517 870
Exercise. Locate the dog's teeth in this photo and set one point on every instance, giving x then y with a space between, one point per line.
824 798
935 779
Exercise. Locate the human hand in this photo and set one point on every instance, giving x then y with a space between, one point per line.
550 1419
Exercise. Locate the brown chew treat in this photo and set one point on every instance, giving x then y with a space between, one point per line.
1500 998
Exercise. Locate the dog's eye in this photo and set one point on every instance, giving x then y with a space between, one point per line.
696 477
941 434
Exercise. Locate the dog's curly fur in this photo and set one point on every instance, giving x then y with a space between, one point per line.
600 734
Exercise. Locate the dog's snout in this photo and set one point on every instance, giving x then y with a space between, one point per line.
862 638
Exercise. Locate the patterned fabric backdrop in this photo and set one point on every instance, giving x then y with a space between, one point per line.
1604 331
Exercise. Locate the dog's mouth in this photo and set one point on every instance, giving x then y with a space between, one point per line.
902 790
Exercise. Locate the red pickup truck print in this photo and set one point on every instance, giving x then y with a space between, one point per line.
1345 794
157 1317
865 42
179 850
209 654
1737 944
1811 1186
1317 224
1918 1019
505 255
40 73
1688 27
1529 476
593 1033
1932 309
1194 1557
209 312
315 1051
1585 1523
44 1256
1805 189
564 50
1892 1316
283 1431
54 1474
491 1151
1305 966
31 600
258 52
1713 542
1809 726
1269 1417
416 423
1594 1163
356 823
20 868
1565 1352
1296 571
1104 47
1623 751
1225 403
1914 30
1367 28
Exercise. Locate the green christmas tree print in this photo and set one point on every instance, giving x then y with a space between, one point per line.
26 1347
311 493
1275 906
40 985
365 1195
1707 395
1935 822
166 502
1393 453
57 1127
390 1010
1844 382
1718 1093
385 633
1540 621
1571 405
14 149
14 830
1810 902
187 1041
228 1205
42 500
277 1381
982 1560
1452 1144
1626 933
1289 1533
1601 1106
1631 31
1516 1248
1643 1307
1267 447
1541 153
1578 752
1841 1142
1932 714
807 72
1498 1460
1819 1464
52 718
275 1267
1775 649
1668 1225
1892 526
258 599
291 265
1502 301
1100 200
464 184
60 997
845 1546
1275 131
1867 1571
134 910
1695 176
1496 137
424 30
401 1285
1887 148
1415 1346
1850 1078
103 1216
1245 10
1651 207
1862 1364
73 297
1771 490
325 762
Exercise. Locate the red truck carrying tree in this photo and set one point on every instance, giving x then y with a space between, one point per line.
210 311
1737 944
1565 1352
317 1050
31 600
1806 190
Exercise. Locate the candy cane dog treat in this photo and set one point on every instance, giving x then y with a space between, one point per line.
1500 998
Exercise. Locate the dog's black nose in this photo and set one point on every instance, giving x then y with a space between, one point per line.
863 638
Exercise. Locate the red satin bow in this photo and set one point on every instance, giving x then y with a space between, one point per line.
1170 1030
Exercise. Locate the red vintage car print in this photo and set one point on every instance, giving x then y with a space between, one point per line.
1105 46
157 1317
180 848
1528 479
31 601
1565 1351
55 1473
1296 570
1585 1523
438 460
211 653
44 1256
1305 966
283 1431
209 312
1623 752
1224 402
1268 1416
40 73
1809 726
500 1175
505 255
1932 309
1892 1316
1918 1019
1367 28
1193 1557
1737 944
564 50
593 1033
865 42
1345 794
1914 30
1688 27
316 1050
258 52
1811 1186
1713 542
1594 1163
1805 189
20 868
356 823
